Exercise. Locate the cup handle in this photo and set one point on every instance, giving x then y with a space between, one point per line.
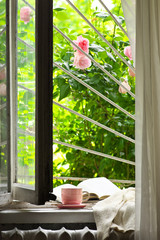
85 196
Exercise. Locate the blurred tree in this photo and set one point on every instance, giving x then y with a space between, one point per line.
74 130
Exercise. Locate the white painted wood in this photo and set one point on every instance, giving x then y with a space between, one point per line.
24 192
5 198
12 49
20 192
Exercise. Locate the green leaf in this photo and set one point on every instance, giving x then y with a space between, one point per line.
61 81
117 39
109 18
102 15
65 65
55 94
111 56
96 12
73 83
108 66
76 108
95 79
96 48
59 9
69 156
64 91
107 79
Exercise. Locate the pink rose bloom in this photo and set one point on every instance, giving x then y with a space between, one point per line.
126 85
3 89
81 61
25 13
128 52
131 73
2 74
83 43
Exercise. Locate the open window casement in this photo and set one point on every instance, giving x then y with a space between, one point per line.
26 149
5 184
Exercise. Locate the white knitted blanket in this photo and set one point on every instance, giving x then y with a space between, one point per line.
116 212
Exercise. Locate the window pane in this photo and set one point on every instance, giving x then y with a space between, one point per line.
26 92
3 106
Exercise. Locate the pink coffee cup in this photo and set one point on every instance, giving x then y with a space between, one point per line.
71 195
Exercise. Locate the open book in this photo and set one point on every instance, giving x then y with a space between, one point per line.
98 188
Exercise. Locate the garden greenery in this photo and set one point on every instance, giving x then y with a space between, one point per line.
66 126
74 130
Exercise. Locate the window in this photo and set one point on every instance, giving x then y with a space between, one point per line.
3 103
30 68
87 103
103 111
25 102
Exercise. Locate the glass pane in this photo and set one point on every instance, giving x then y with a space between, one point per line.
3 107
26 92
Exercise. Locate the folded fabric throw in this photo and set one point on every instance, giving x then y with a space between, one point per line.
115 212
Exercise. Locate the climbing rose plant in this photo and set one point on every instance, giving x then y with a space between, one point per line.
73 129
80 60
25 14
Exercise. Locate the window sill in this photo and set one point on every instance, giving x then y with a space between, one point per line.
48 215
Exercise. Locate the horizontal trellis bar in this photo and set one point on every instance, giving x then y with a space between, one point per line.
28 45
96 63
123 181
3 143
95 122
3 106
70 178
103 38
26 177
95 91
82 179
3 30
124 31
27 82
94 152
27 3
27 89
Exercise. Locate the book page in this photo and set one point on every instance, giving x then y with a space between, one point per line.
100 186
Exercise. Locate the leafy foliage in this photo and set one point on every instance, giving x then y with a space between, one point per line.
3 113
26 97
68 127
25 167
74 130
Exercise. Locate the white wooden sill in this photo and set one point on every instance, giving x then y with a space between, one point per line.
43 215
48 215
